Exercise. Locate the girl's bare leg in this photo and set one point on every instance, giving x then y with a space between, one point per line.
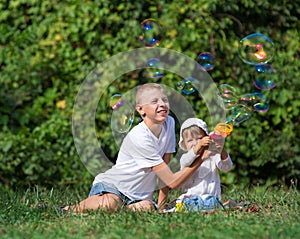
107 201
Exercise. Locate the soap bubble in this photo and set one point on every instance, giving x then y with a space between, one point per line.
264 75
256 48
115 101
122 115
187 86
256 100
261 107
151 33
206 60
242 106
241 113
227 95
154 69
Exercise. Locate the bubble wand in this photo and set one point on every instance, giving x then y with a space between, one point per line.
221 131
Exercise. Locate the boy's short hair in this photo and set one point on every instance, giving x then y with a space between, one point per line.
148 86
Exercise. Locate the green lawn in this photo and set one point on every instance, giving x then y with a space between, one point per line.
32 214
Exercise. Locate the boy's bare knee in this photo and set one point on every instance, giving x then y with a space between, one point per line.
110 202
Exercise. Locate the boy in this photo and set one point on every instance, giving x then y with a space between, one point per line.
144 154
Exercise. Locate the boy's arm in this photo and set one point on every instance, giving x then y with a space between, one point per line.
164 191
174 180
188 158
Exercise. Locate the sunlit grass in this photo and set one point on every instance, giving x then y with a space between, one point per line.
32 213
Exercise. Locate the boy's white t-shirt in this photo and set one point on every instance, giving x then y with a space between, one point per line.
206 180
140 150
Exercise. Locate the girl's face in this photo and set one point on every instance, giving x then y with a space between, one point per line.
192 136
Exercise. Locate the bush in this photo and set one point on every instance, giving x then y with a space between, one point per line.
47 49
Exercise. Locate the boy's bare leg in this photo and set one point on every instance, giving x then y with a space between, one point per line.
144 205
107 201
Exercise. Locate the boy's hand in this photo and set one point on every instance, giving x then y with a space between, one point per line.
204 142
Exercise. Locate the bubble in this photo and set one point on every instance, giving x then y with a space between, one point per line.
261 107
154 69
122 115
187 86
151 33
240 114
252 98
256 100
256 48
264 74
227 95
115 101
206 60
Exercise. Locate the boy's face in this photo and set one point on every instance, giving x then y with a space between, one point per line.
192 137
154 106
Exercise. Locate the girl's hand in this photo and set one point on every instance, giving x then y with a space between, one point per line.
218 147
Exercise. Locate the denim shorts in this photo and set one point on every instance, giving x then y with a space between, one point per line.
102 188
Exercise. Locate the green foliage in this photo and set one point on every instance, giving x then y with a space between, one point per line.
48 48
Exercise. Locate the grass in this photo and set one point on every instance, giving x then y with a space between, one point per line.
32 214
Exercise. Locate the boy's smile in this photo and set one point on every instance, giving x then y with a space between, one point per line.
155 107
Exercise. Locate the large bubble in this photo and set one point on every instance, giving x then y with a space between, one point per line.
256 48
91 149
151 33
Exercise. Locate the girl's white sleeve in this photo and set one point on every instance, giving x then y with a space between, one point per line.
225 165
188 158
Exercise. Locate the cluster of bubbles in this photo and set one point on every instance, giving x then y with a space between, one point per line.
255 49
206 61
241 106
122 113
